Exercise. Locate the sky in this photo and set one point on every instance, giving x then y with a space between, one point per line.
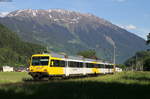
132 15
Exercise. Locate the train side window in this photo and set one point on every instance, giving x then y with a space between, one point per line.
71 64
111 66
86 64
75 64
101 65
96 66
62 64
89 65
106 66
57 63
80 64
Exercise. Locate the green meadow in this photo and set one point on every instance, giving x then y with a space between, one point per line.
124 85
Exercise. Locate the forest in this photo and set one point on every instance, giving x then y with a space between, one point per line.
14 51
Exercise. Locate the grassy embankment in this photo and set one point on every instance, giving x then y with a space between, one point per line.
125 85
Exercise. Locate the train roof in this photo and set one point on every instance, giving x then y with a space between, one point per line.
57 55
73 58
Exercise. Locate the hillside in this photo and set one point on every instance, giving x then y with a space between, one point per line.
14 51
71 32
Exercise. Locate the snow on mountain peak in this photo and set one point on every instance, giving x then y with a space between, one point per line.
3 14
58 15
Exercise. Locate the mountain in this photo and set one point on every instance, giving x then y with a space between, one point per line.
14 51
71 32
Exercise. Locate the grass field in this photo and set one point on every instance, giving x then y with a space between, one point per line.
12 77
125 85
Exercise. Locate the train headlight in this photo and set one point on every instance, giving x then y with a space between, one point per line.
45 70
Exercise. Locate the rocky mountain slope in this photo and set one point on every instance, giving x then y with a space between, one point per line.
71 32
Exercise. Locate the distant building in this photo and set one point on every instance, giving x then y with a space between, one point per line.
118 69
7 69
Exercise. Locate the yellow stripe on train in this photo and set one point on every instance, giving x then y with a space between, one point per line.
56 71
95 70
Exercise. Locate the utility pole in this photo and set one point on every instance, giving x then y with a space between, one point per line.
109 39
136 62
114 61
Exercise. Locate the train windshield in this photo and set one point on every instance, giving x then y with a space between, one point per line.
40 61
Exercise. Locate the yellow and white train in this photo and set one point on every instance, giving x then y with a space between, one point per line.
51 65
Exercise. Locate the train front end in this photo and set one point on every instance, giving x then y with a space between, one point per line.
39 66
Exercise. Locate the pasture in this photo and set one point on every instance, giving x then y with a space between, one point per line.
125 85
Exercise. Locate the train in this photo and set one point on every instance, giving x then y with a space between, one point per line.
48 65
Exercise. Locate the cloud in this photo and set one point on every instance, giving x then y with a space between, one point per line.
143 32
140 31
131 27
128 27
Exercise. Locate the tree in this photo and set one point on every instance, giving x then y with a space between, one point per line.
137 62
14 51
146 64
88 54
141 60
147 60
148 39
